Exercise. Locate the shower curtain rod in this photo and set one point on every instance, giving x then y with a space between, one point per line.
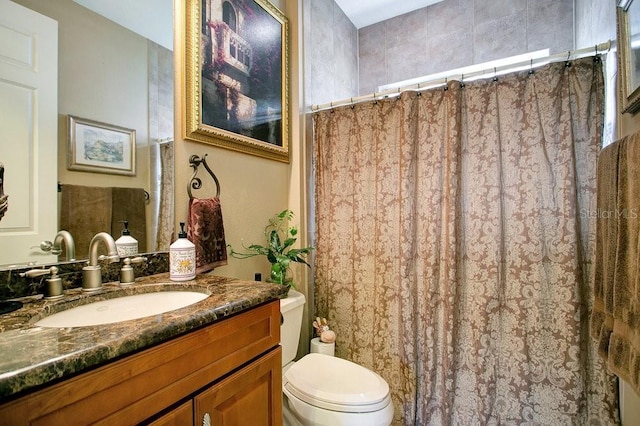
428 83
165 141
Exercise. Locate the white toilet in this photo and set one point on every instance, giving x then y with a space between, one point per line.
321 390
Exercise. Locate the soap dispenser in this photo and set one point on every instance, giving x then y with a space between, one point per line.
126 244
182 258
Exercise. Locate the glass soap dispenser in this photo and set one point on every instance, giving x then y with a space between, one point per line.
182 258
126 244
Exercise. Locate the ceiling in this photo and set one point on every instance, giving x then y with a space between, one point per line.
367 12
151 18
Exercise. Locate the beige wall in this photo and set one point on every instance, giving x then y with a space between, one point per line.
252 188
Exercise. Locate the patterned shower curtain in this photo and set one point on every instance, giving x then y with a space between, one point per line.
165 212
454 241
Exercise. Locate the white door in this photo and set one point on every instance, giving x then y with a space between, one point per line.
28 132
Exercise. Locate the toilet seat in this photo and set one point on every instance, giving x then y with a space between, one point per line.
336 384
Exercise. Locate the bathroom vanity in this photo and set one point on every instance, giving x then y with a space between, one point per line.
217 361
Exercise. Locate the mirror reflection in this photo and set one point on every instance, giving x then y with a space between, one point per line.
120 76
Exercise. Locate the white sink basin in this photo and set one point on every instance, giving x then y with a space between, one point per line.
122 309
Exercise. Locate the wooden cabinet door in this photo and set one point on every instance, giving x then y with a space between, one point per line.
179 416
250 396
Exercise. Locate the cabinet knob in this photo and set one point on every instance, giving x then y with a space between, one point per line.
206 420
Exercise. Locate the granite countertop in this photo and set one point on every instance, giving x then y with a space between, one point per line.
31 356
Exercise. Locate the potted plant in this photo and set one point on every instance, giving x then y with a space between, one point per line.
278 249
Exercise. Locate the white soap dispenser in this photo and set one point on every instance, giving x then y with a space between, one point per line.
182 258
126 244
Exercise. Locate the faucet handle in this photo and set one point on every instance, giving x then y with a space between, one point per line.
53 286
110 259
138 259
32 273
127 275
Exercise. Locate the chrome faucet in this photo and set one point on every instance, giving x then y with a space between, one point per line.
69 244
91 275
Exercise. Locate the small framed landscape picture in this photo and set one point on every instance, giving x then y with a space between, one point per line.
100 148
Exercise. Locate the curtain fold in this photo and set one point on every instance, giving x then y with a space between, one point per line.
453 247
165 232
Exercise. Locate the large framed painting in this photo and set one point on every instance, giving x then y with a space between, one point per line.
236 76
629 55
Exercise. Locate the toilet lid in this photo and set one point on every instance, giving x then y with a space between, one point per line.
337 384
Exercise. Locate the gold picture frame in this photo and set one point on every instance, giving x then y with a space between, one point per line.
236 85
628 19
100 147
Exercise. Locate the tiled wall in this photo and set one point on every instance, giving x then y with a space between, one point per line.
331 53
595 22
457 33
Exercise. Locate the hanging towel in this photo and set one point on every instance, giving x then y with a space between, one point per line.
206 231
84 211
615 316
87 210
129 204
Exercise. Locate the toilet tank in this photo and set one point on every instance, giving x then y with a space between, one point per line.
291 309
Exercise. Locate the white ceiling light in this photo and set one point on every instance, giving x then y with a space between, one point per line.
367 12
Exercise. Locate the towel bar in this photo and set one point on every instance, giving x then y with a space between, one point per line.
195 182
147 197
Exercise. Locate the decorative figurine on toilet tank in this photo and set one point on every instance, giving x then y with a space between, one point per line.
322 330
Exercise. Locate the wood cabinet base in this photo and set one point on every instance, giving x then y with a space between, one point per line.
140 386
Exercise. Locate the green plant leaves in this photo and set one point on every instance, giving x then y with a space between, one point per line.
280 238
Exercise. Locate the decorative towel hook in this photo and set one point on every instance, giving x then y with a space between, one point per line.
195 182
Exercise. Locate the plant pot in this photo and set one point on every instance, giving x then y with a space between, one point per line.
282 277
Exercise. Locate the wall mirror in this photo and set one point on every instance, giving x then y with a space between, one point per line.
115 66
